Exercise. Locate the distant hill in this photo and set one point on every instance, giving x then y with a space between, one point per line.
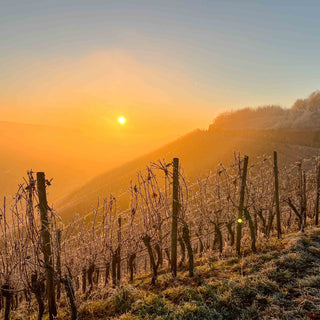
199 152
303 115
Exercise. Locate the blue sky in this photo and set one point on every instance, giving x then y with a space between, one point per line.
234 53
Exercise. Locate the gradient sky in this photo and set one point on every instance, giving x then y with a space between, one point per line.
168 66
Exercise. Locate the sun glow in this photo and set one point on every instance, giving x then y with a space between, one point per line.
122 120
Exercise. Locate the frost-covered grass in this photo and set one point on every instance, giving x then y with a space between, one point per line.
282 283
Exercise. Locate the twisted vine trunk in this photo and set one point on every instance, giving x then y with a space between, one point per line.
183 251
297 213
107 274
38 288
252 230
187 241
114 261
131 265
70 293
7 294
231 233
154 265
218 239
90 276
84 280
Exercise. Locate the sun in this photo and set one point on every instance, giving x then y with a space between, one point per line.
122 120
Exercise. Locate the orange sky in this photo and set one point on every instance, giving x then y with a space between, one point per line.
92 91
87 95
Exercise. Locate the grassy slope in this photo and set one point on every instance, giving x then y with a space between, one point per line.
199 151
280 282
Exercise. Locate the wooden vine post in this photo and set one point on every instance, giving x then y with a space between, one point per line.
84 280
46 246
241 203
175 213
276 192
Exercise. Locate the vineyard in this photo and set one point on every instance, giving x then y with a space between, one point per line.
170 222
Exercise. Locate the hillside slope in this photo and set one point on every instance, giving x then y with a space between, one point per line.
199 152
